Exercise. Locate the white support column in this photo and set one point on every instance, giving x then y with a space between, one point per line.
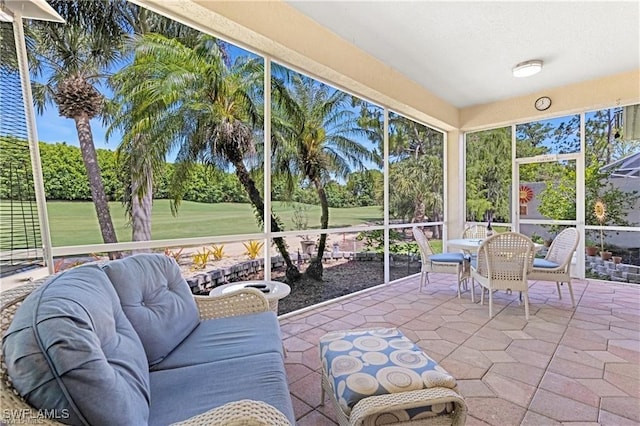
32 136
385 172
454 185
581 194
515 183
267 168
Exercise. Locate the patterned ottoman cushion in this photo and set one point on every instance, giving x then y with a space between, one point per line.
362 363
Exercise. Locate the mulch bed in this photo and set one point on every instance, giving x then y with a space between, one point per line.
340 277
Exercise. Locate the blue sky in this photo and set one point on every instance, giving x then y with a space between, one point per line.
52 128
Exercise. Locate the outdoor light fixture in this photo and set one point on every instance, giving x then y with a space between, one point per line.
527 68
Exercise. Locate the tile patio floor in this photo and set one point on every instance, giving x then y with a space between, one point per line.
564 366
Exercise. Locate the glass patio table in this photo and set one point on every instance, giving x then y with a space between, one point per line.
471 245
467 245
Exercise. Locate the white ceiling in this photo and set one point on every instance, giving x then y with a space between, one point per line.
463 51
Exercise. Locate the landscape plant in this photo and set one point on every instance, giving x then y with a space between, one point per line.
416 164
141 158
488 174
175 254
316 142
374 240
200 258
253 248
187 76
217 251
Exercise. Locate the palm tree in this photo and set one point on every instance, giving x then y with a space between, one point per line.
187 96
73 59
415 173
138 156
317 144
417 189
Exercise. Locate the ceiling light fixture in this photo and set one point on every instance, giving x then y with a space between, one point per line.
527 68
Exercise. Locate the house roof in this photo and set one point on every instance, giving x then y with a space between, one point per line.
627 167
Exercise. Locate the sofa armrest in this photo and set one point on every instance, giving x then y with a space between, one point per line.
243 412
243 301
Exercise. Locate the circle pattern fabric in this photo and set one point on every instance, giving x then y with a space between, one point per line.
409 359
344 365
361 363
370 343
398 379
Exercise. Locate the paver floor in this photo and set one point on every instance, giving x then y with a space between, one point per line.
564 366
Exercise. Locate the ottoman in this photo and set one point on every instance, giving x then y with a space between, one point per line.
379 376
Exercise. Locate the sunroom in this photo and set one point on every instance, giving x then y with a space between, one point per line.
483 150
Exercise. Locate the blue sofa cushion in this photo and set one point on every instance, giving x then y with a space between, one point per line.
70 350
156 299
226 338
447 257
258 377
545 264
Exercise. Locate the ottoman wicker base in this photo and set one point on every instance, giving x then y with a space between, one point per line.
379 376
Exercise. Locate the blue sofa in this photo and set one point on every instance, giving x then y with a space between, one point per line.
126 343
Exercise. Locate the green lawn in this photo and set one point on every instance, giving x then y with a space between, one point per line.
75 223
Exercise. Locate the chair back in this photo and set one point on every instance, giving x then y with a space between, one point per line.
506 259
475 231
563 247
423 244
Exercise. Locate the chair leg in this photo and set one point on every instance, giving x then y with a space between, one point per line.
490 303
526 305
473 290
559 292
573 301
422 276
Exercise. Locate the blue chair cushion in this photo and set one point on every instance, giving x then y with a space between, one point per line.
156 299
71 351
544 264
447 257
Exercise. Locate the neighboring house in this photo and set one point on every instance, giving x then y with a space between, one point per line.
625 176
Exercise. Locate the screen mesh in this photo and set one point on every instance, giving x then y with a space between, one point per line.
20 239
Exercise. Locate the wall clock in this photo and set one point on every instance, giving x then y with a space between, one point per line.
543 103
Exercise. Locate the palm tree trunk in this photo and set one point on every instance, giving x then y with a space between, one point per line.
292 273
315 269
419 210
141 212
90 159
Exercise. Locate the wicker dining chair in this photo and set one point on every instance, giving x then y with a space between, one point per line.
556 265
504 262
446 263
475 231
